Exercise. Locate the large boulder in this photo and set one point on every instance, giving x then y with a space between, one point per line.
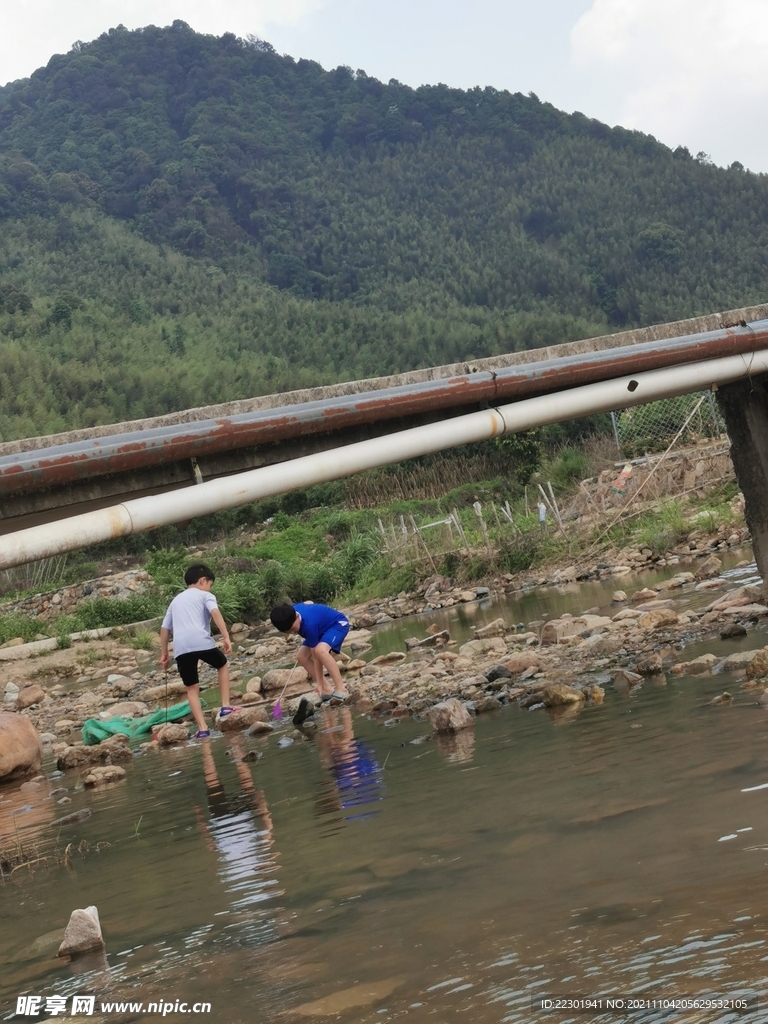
450 716
239 720
20 748
30 695
273 681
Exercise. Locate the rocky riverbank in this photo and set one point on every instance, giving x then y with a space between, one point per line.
118 586
559 666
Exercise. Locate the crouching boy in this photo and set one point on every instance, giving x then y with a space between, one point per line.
323 630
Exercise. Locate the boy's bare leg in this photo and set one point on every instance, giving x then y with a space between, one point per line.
224 685
314 670
322 655
193 696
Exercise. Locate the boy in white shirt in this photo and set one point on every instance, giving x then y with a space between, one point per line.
188 620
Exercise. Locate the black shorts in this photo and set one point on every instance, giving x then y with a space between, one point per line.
187 663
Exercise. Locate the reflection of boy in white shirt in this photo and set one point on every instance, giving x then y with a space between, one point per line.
188 620
247 865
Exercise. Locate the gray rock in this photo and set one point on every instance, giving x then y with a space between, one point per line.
450 716
171 734
487 704
731 630
650 665
623 677
709 567
498 672
476 648
260 728
82 934
100 775
109 751
240 720
739 660
496 628
559 693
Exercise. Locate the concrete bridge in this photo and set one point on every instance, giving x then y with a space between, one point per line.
65 478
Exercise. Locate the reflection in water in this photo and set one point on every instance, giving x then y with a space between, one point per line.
561 714
246 863
356 778
456 747
25 809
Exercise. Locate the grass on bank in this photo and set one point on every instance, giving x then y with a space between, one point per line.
264 553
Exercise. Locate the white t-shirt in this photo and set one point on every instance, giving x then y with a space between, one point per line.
189 620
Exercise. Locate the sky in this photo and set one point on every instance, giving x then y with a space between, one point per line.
689 72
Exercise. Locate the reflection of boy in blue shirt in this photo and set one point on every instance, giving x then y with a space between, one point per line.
358 778
323 629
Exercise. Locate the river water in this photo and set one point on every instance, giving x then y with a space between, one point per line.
375 874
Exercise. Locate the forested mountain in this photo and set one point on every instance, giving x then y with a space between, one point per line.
186 219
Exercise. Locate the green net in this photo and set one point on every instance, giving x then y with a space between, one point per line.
95 730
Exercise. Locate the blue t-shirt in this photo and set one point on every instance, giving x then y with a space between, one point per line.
317 619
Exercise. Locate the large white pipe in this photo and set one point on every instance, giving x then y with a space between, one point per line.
140 514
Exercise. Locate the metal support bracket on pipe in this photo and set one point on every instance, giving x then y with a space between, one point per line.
141 514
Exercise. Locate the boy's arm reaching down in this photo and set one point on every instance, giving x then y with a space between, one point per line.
218 621
165 635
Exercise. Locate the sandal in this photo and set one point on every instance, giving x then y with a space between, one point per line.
228 709
338 696
202 734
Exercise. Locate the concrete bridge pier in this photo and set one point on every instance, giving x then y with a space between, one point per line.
744 405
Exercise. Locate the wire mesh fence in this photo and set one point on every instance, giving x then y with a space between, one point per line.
649 429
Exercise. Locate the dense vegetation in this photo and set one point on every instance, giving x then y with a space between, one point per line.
186 219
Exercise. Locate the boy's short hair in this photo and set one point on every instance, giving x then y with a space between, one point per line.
198 572
283 617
